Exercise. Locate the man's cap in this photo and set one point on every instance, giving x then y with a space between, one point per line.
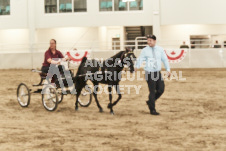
151 36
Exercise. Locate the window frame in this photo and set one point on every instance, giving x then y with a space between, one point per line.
116 11
79 11
72 7
113 6
138 6
127 6
10 13
64 13
51 13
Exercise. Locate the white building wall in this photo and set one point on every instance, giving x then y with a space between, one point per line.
176 34
28 29
14 40
193 12
67 37
18 17
83 38
14 36
93 17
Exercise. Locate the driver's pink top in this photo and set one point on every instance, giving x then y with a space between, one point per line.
49 54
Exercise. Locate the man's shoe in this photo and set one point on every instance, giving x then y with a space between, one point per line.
153 112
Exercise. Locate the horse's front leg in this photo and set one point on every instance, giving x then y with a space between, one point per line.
95 96
78 88
110 99
119 95
77 96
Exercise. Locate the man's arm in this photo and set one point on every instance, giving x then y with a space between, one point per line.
50 60
165 60
64 58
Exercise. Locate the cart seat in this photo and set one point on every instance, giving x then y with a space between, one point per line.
43 75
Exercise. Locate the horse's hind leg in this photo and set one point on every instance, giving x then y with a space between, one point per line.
110 99
79 88
95 96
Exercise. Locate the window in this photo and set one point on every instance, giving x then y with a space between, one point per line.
120 5
65 6
80 6
51 6
200 41
136 5
105 5
4 7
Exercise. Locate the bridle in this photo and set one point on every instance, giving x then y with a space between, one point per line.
124 54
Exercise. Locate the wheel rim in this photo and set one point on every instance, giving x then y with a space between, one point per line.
49 98
84 97
60 96
23 95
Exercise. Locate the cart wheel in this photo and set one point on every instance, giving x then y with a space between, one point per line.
49 98
60 96
23 95
85 98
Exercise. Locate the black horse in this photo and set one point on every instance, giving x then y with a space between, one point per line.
132 57
108 72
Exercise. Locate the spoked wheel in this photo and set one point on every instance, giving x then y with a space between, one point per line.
60 96
49 98
85 97
23 95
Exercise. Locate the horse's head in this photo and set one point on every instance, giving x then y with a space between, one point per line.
127 59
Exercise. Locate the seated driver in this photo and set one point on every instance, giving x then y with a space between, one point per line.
52 56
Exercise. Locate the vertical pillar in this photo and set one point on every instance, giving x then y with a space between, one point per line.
122 38
31 22
156 19
31 27
102 37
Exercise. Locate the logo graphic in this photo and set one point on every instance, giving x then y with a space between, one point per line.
176 56
76 56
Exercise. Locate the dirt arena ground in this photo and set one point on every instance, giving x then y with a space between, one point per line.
193 117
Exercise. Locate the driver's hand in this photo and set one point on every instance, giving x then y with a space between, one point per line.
65 59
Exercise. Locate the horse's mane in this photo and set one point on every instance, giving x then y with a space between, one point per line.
113 58
118 55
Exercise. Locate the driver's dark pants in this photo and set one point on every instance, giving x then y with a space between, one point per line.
60 68
156 87
45 69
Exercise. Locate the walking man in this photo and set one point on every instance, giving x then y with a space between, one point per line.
153 55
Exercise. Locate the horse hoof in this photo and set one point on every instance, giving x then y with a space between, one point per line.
101 110
76 108
109 105
112 113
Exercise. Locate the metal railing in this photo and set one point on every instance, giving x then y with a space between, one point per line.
138 44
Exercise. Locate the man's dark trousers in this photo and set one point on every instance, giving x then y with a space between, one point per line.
156 87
